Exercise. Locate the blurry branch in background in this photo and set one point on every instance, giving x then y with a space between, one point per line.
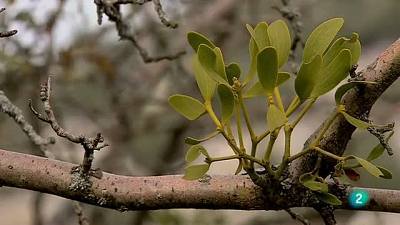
112 10
7 107
6 33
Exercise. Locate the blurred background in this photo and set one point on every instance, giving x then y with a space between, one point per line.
101 84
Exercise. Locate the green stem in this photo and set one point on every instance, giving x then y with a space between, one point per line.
303 112
286 155
326 153
325 127
278 98
239 129
262 136
270 145
242 156
246 117
293 106
212 115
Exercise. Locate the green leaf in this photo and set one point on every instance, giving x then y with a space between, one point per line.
356 122
258 90
307 78
369 167
279 37
187 106
376 152
232 70
219 63
353 44
196 39
206 85
227 101
261 35
386 173
333 74
194 152
316 186
329 198
306 177
321 37
342 90
275 118
267 69
195 141
208 60
253 51
195 172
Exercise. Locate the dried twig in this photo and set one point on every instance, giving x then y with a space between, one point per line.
89 144
79 212
112 10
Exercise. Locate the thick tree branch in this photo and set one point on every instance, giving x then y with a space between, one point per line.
359 101
154 192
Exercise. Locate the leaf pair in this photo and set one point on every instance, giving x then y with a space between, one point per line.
194 172
276 36
316 184
324 68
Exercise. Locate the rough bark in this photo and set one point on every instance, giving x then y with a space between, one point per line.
153 192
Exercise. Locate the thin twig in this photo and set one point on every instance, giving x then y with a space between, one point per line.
79 212
7 33
112 10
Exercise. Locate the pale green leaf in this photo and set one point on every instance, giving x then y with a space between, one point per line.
208 60
331 75
353 44
307 78
376 152
356 122
195 172
227 101
279 37
275 118
232 70
342 90
196 39
253 51
219 63
329 198
187 106
386 173
261 35
321 37
267 69
195 141
369 167
316 186
194 152
206 85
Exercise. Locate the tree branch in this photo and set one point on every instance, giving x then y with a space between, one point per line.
153 192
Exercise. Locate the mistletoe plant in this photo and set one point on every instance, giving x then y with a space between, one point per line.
325 63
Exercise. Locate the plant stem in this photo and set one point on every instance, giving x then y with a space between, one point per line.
286 155
241 156
326 153
278 98
212 115
262 136
239 129
293 106
270 145
303 112
246 117
326 126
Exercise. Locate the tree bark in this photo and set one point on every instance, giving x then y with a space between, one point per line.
152 192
